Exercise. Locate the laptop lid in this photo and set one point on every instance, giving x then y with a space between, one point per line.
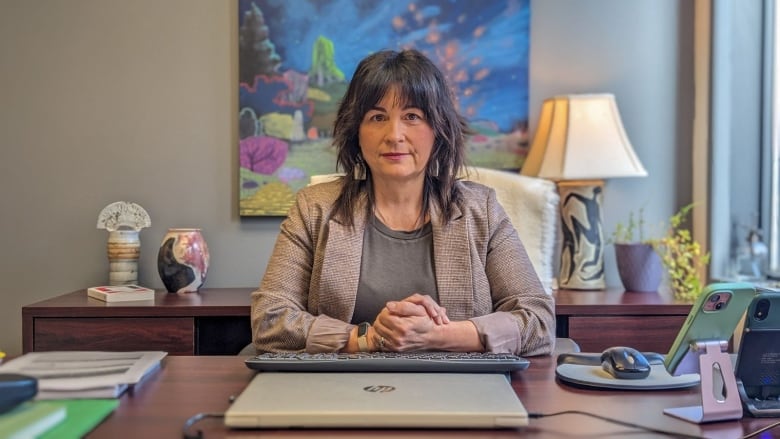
377 400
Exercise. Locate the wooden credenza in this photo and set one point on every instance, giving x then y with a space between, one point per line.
597 320
216 322
212 322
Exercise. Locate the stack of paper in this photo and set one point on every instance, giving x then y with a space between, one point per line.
85 374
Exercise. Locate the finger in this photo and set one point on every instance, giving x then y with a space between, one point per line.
419 298
380 324
444 317
406 309
386 324
382 335
410 309
433 309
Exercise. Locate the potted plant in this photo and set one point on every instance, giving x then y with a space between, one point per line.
639 265
683 257
641 260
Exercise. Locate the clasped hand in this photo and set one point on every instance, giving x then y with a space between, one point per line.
409 324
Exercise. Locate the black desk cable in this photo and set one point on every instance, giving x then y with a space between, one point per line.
614 421
642 427
189 423
193 420
186 434
761 430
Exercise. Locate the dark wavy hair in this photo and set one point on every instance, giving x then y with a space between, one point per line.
420 84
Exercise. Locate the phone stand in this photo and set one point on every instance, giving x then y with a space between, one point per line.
719 396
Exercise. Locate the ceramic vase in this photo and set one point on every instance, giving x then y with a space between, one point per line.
124 248
639 266
183 260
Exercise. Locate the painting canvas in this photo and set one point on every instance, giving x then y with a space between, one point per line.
296 58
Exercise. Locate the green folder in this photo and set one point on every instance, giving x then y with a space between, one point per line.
82 416
31 419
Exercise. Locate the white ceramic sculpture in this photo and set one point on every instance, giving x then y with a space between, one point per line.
123 221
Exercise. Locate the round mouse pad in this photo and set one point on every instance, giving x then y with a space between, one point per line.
598 378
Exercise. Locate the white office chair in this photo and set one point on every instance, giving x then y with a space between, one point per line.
532 206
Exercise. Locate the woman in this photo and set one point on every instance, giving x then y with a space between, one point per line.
400 255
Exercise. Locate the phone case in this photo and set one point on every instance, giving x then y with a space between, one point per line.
713 317
758 361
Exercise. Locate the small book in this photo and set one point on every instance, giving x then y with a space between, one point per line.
121 293
31 419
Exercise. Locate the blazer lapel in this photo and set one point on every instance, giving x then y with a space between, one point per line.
341 268
452 263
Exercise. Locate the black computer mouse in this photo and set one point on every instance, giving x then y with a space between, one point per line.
625 363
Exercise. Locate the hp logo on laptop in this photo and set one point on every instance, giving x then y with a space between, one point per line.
379 389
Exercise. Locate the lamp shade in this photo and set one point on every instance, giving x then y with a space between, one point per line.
581 137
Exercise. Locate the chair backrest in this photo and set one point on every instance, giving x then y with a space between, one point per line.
532 206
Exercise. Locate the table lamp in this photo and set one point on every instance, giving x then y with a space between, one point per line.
579 142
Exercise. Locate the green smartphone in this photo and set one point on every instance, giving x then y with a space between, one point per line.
714 316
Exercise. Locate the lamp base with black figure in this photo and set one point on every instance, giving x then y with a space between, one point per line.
582 252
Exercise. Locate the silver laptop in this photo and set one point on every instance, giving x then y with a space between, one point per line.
377 400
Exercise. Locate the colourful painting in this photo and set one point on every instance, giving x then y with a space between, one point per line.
296 58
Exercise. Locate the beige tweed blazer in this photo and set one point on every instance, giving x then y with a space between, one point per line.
307 295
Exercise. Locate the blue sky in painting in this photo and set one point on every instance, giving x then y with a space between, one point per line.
360 27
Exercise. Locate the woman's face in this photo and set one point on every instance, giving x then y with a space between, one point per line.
396 142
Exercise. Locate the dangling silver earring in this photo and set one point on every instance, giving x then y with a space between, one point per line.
434 171
359 171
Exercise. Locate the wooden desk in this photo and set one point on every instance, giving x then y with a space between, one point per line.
189 385
216 322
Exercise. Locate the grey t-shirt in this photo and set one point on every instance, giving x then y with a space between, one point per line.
394 266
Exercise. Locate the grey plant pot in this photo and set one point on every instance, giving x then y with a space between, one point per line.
639 267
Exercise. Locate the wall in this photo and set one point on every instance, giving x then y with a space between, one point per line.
105 100
641 51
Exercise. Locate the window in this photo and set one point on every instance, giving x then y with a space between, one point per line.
770 204
744 137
